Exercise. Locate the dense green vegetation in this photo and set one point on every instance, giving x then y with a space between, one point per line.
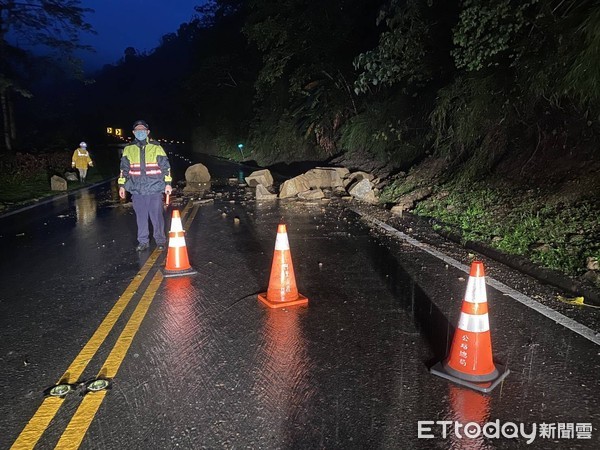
26 177
475 82
392 80
558 236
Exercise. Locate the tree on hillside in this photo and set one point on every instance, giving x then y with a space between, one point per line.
412 48
218 91
43 25
482 78
307 48
520 66
396 79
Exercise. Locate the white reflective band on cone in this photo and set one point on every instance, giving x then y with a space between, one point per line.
176 225
476 285
474 323
177 242
282 243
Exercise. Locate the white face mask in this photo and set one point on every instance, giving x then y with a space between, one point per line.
140 135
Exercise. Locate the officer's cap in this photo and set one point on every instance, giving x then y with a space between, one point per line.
140 122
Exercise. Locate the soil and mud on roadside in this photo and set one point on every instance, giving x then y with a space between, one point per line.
537 213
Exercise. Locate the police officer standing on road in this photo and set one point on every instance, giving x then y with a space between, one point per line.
146 174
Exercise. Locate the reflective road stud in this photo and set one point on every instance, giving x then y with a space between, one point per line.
97 385
60 390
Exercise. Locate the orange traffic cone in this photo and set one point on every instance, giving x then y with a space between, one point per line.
178 263
282 290
470 362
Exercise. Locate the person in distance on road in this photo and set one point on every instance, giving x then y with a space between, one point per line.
81 160
146 174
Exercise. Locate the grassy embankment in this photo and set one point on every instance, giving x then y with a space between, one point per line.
553 230
25 178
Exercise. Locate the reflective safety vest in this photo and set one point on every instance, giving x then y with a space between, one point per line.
145 168
81 159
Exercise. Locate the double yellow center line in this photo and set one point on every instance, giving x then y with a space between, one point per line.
80 422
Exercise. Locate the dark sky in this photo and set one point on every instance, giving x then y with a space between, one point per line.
131 23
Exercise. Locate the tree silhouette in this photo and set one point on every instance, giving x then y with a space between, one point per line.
40 25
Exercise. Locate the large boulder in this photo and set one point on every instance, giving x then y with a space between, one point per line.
263 177
363 191
71 176
313 194
198 173
262 193
57 183
291 188
343 172
355 177
407 201
196 188
326 177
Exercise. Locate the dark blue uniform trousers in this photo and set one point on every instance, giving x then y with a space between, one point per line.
149 207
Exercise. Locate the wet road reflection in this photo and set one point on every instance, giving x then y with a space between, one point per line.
85 208
211 367
284 372
180 324
472 410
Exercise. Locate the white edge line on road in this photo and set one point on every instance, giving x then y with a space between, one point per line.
551 314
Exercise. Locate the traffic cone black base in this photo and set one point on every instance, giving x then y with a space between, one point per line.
178 273
301 300
487 386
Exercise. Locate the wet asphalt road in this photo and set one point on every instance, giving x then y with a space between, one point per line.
198 362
